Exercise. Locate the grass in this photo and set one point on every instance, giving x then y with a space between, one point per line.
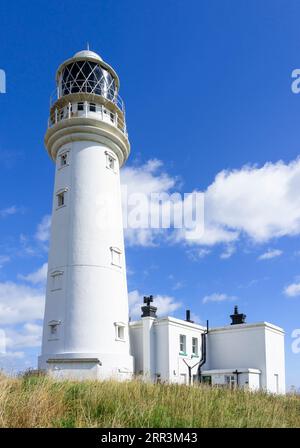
37 401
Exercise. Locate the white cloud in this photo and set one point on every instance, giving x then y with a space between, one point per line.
270 253
3 260
9 211
9 355
165 304
263 203
218 297
196 254
260 203
20 303
43 229
29 335
228 252
292 290
37 277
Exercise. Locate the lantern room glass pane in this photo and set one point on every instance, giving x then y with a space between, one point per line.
89 77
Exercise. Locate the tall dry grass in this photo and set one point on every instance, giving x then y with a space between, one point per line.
41 402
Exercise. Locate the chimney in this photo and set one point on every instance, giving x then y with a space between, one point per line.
188 316
237 318
148 310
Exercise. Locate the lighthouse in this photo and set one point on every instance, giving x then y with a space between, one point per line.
86 330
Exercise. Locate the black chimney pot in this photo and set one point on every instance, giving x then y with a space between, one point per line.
237 318
188 316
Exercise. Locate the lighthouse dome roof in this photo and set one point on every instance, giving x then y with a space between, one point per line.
87 54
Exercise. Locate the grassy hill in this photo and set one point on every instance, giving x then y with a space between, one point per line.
41 402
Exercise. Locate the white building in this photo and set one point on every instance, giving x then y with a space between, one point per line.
86 329
181 351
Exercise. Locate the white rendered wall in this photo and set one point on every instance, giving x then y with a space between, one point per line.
169 363
136 344
247 346
80 371
94 291
149 348
275 360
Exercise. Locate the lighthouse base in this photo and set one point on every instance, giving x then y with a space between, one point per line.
92 366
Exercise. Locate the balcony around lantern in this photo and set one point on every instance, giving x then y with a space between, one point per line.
83 87
87 109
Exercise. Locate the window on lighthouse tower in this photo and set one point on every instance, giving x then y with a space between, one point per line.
116 256
61 197
63 159
111 162
54 329
120 331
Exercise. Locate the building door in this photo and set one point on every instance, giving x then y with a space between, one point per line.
230 381
183 378
276 376
206 379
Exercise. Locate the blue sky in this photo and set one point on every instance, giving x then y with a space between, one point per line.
207 87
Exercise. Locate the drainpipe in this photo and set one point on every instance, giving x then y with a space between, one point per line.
203 354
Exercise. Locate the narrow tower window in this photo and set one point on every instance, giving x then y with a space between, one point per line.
111 162
56 280
115 256
92 107
80 106
61 197
64 159
120 331
54 330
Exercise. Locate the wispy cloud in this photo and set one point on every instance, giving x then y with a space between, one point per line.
43 229
20 303
218 297
4 259
37 277
228 252
9 211
197 253
292 290
270 253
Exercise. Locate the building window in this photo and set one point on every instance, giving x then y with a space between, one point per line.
61 197
111 162
56 282
92 107
195 346
63 159
120 331
54 330
116 256
230 381
182 344
80 106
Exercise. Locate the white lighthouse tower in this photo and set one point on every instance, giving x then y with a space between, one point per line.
86 331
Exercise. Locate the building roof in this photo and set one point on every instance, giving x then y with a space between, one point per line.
87 54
